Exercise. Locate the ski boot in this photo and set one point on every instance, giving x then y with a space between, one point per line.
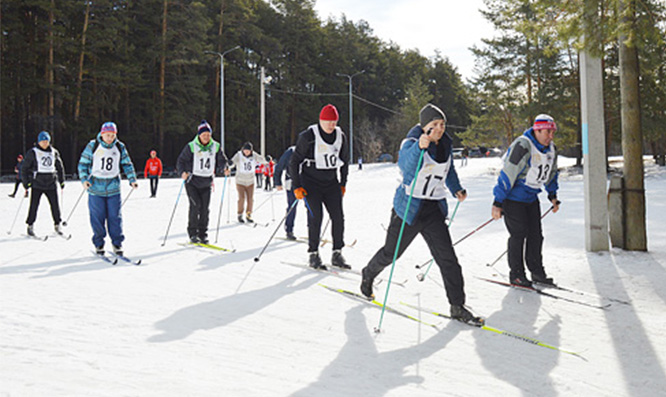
240 218
338 260
291 236
118 250
57 228
543 280
194 240
315 261
521 281
30 231
366 284
99 250
460 313
248 217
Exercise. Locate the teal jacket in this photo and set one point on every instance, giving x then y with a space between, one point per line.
105 187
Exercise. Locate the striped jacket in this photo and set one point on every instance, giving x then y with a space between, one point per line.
105 187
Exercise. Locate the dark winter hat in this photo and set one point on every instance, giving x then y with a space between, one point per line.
247 146
544 121
204 127
44 136
329 113
109 127
429 113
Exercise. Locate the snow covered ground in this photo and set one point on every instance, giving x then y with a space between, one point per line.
189 322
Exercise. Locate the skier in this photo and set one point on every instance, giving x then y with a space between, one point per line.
427 209
19 174
530 162
269 170
99 171
283 165
245 161
42 172
197 164
153 170
321 152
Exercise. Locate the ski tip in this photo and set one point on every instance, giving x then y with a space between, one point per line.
256 259
138 262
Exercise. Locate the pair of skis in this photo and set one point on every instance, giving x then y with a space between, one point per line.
46 237
208 246
114 258
360 298
340 272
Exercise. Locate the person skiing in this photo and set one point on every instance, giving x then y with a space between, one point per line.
99 170
283 166
197 164
19 174
427 210
529 163
269 171
321 152
153 171
245 161
42 172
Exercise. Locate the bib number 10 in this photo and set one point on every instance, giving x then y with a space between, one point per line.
330 160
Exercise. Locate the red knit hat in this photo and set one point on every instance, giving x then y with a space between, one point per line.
329 113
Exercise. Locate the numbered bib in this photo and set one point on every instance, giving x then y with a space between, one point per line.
541 164
106 162
45 161
327 156
247 165
204 163
429 183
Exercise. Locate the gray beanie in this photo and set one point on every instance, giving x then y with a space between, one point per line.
429 113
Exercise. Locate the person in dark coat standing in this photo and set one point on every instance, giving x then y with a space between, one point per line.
42 172
196 164
18 172
283 165
321 154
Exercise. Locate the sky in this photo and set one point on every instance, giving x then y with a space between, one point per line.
450 26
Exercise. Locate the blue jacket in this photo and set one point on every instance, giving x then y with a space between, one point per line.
408 159
517 162
105 186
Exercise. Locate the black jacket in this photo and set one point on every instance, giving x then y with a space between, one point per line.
184 164
302 168
42 180
283 165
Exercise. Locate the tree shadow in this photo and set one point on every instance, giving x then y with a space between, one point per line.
640 363
226 310
512 361
359 362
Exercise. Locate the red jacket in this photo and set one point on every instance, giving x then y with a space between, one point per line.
269 169
259 169
153 167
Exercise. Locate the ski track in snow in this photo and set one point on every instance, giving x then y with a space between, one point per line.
198 322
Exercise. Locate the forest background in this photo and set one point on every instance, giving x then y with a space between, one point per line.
69 66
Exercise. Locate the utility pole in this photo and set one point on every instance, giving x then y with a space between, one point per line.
351 113
221 55
262 116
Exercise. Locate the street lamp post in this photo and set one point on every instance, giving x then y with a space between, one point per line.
221 55
351 113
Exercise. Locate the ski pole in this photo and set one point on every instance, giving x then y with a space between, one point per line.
293 205
321 238
263 202
272 208
219 214
397 246
127 197
308 206
172 213
507 250
422 276
73 208
17 213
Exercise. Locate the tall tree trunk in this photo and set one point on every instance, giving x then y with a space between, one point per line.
74 137
162 78
50 70
632 139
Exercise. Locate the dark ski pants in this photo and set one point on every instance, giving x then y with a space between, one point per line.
197 224
331 197
268 183
105 213
291 216
154 180
430 223
35 197
259 178
523 221
16 185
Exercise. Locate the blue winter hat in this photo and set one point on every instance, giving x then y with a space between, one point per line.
44 136
204 127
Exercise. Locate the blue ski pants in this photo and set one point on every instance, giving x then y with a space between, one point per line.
105 213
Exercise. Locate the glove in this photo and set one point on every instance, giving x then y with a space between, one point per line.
86 184
344 190
300 193
62 185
